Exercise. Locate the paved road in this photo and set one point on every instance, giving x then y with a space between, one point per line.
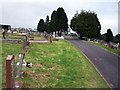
105 62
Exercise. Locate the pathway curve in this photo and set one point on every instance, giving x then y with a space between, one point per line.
104 61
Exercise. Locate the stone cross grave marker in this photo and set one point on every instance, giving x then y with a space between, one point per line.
19 72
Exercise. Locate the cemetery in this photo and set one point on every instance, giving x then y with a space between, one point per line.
111 47
59 49
54 64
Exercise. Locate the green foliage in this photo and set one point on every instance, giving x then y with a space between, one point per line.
40 26
62 21
47 25
103 36
109 35
59 21
117 38
53 22
86 24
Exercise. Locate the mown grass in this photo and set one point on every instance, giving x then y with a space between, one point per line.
56 65
63 66
11 36
17 36
39 38
114 51
9 49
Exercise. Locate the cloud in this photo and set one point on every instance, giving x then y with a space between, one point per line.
107 23
46 1
27 13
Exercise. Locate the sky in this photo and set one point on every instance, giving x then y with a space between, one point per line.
27 13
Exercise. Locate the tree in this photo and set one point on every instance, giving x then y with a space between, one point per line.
117 38
62 21
59 21
53 22
103 36
109 35
40 26
86 24
46 25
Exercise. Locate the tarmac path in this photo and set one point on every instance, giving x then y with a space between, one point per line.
105 62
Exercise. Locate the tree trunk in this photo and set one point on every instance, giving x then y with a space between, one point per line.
58 33
80 35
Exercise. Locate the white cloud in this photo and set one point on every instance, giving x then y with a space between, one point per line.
45 1
107 23
26 13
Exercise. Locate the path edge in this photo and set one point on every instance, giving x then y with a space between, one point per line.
92 65
96 69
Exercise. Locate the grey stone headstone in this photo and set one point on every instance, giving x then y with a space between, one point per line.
19 72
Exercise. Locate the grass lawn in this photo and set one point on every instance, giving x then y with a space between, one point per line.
9 36
16 36
114 51
39 38
9 49
56 65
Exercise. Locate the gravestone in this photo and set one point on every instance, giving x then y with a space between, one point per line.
26 44
19 72
10 71
50 38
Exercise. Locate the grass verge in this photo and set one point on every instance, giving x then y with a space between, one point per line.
9 49
56 65
114 51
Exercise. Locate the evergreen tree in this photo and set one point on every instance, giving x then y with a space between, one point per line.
59 21
40 26
103 36
46 25
117 38
109 35
62 21
86 24
53 22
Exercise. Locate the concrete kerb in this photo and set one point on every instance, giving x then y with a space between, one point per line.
92 65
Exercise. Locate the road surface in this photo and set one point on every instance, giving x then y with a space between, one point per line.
104 61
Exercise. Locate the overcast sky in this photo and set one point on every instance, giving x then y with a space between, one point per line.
27 13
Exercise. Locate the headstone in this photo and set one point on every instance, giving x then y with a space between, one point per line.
10 71
19 72
50 38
